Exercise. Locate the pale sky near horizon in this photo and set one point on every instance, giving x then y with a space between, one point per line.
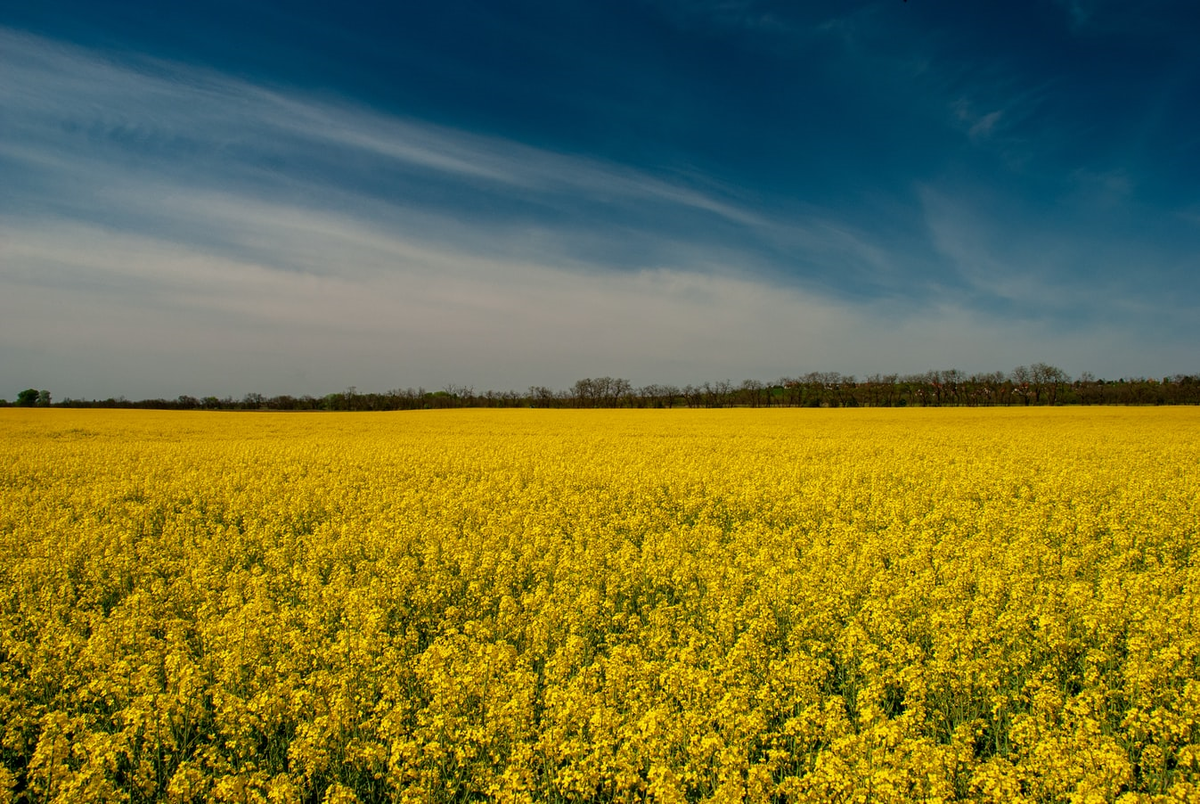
226 197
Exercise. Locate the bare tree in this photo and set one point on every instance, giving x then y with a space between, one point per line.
1021 378
1047 380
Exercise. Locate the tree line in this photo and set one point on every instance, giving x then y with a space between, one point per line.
1037 384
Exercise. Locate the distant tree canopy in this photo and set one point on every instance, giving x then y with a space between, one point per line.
32 396
1035 384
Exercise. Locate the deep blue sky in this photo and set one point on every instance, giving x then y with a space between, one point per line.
224 197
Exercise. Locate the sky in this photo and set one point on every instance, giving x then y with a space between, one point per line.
220 197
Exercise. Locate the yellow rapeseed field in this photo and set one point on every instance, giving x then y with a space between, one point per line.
672 605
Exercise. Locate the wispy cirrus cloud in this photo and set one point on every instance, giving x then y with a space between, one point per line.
66 101
1061 266
127 148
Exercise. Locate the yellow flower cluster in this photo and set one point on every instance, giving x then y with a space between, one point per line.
675 605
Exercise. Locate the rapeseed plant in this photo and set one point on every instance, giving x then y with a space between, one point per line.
684 605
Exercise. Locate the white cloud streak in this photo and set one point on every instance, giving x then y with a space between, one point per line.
56 96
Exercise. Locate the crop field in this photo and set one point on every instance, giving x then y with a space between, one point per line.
537 605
